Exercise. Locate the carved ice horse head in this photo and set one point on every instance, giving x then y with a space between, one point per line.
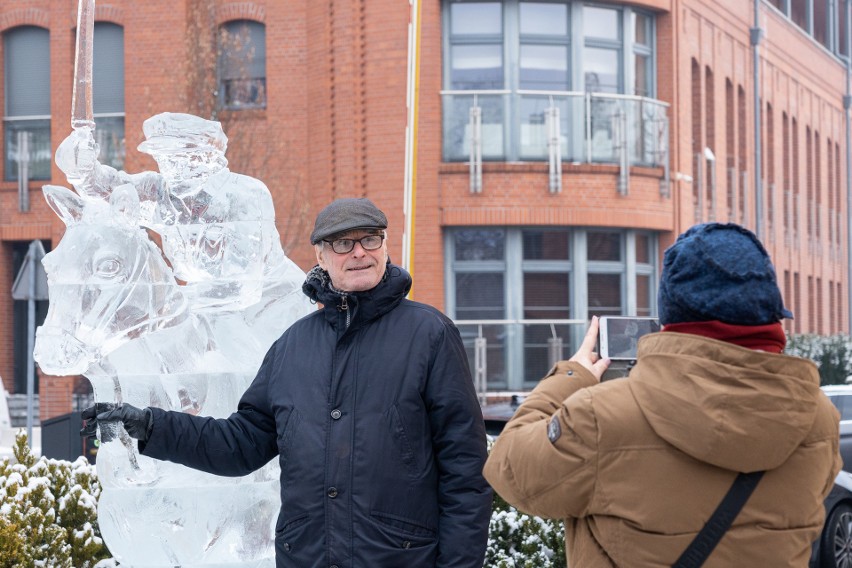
108 282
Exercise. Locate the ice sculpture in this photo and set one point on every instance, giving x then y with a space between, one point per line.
118 315
181 324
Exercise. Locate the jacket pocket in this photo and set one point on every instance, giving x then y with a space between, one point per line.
391 541
285 438
402 441
289 536
403 525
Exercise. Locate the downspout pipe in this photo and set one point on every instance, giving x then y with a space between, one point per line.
756 34
847 103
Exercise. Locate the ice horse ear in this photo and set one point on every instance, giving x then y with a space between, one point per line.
124 203
65 203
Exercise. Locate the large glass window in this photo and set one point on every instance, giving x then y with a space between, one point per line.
799 13
643 54
521 63
825 20
242 64
108 92
602 51
26 58
522 296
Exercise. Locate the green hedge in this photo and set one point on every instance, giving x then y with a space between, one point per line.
832 354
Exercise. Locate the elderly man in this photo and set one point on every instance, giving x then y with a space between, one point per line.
712 417
368 404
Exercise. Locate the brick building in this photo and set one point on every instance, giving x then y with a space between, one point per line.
561 144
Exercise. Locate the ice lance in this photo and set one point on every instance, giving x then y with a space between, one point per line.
81 103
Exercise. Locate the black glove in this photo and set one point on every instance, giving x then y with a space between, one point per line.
137 421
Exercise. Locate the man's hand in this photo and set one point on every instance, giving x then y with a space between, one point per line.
586 355
137 421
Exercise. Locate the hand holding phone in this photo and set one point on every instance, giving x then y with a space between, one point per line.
586 355
619 335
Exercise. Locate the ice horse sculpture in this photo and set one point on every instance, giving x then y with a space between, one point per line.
181 326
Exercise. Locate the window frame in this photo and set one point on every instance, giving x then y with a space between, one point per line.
507 102
41 121
109 121
577 268
223 100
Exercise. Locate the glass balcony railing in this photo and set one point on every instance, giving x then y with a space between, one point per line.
514 355
38 154
591 127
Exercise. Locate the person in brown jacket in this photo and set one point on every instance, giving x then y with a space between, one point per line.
636 466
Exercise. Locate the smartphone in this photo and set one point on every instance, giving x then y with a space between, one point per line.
619 335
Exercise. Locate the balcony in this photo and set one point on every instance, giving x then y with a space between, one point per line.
513 355
578 127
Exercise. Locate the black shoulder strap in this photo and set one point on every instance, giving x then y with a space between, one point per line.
723 517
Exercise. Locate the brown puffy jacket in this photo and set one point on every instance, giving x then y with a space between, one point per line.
638 465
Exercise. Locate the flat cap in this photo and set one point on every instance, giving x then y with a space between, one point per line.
347 214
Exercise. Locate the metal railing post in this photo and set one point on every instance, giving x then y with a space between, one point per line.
23 171
588 115
554 148
554 347
475 147
620 144
480 366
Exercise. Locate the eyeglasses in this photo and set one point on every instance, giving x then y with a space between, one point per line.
368 242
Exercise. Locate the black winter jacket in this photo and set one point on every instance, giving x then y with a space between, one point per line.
377 430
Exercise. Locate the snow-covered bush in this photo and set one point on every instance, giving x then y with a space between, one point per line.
518 540
832 354
48 512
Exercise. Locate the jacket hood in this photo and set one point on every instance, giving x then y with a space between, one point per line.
725 405
364 306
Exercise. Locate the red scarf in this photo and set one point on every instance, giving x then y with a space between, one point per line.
769 337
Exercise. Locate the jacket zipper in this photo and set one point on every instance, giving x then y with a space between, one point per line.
344 307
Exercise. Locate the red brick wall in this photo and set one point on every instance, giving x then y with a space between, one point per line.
336 118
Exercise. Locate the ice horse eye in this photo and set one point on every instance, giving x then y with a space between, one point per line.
108 267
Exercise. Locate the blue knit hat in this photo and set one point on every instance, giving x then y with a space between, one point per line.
719 272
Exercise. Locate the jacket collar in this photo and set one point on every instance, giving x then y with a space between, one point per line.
362 306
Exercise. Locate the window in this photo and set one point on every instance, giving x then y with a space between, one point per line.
602 51
780 4
643 54
502 280
769 156
242 64
742 155
108 92
841 27
785 158
824 20
796 183
799 13
26 51
809 183
517 60
730 153
697 141
820 21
